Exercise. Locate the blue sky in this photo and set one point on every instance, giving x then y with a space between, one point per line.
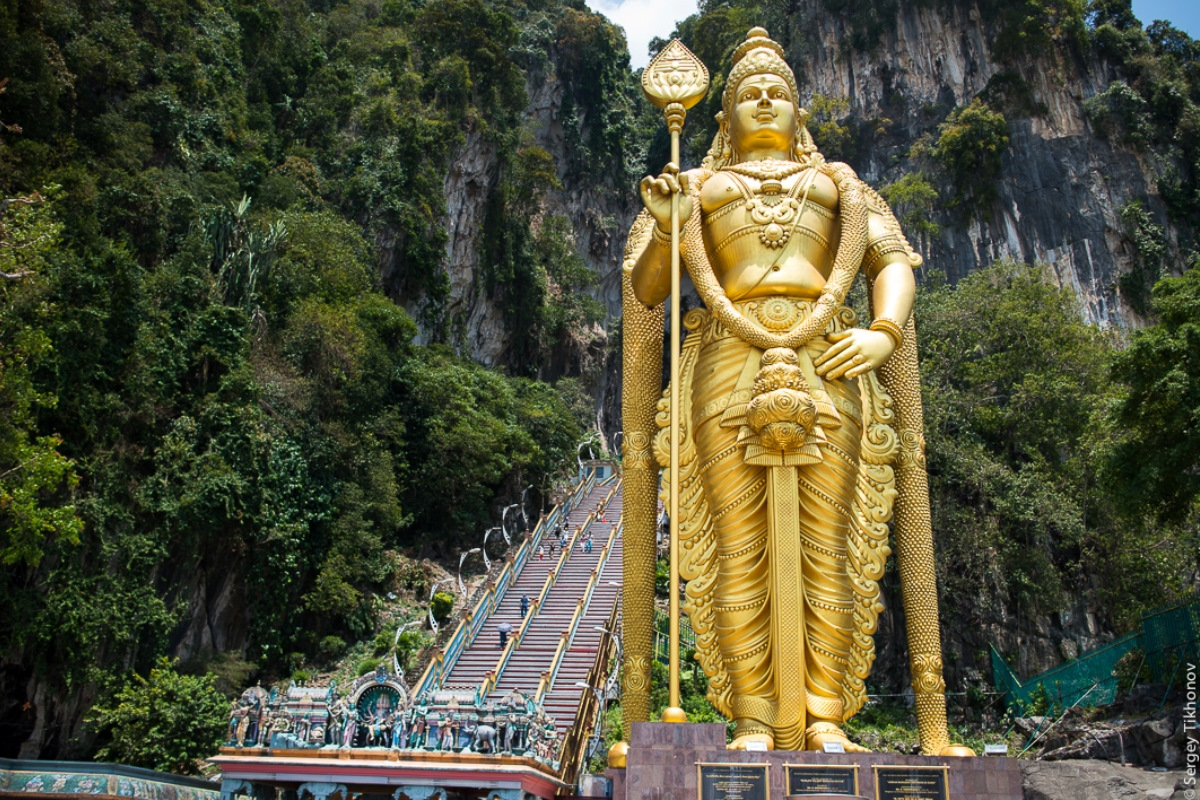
1181 14
645 19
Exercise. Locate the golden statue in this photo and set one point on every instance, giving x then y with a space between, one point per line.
800 431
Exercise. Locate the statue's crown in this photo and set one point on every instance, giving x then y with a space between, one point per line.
759 54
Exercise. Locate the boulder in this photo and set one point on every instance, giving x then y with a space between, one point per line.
1094 780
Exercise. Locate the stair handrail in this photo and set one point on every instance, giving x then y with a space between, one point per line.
472 621
546 685
574 746
493 677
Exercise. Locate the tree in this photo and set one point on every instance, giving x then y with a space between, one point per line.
1156 465
35 478
167 721
970 147
1012 378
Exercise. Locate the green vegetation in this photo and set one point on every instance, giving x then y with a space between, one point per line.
166 721
892 727
36 480
1149 253
1155 104
408 646
1153 465
206 370
442 605
969 149
913 198
1037 456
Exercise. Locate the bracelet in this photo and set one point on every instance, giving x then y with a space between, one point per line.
890 327
662 238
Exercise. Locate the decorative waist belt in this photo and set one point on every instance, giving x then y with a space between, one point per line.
778 314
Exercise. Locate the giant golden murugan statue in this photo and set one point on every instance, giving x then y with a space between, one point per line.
800 429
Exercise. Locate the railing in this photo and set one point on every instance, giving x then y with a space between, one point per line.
587 716
546 685
514 641
473 620
662 636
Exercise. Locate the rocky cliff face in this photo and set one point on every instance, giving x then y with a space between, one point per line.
599 214
1061 188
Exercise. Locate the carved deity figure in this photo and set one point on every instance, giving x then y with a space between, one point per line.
791 444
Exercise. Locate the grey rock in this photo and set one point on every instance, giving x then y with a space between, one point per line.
1094 780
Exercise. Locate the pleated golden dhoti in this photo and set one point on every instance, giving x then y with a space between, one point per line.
784 600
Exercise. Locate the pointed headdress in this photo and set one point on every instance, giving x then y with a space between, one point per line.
758 55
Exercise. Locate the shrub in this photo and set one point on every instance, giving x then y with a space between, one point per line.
367 665
1119 113
913 199
332 646
166 721
407 646
383 640
1147 240
442 605
970 146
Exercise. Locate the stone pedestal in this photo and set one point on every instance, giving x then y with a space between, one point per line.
663 758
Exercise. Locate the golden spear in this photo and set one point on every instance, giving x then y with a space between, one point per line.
675 81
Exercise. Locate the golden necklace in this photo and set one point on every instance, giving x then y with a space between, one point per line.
776 213
766 170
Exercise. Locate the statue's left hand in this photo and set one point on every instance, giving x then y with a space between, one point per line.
854 352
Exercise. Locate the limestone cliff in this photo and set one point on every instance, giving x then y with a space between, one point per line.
1059 195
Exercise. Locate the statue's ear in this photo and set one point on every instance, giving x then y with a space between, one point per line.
805 145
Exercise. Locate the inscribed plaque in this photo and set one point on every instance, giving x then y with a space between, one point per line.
806 779
912 783
733 782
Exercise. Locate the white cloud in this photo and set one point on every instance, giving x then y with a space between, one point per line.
643 20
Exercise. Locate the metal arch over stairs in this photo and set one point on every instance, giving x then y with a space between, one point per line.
558 657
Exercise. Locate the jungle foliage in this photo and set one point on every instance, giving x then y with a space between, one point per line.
167 721
1038 426
214 214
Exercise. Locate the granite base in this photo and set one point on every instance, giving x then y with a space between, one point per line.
663 758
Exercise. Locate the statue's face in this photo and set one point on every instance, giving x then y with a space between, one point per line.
763 116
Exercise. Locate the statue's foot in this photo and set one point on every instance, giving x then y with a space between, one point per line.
740 742
821 732
956 750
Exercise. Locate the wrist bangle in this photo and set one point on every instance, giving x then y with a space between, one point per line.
663 238
890 327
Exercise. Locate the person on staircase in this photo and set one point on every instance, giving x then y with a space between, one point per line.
504 629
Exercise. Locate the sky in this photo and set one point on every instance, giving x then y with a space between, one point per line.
645 19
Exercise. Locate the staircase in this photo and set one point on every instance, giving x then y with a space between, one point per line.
527 662
563 646
562 700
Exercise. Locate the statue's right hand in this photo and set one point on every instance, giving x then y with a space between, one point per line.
656 196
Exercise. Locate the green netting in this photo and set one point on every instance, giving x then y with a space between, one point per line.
1167 636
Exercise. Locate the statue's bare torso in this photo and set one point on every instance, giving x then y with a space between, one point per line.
746 266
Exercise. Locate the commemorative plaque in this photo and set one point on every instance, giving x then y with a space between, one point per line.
822 779
733 782
912 783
